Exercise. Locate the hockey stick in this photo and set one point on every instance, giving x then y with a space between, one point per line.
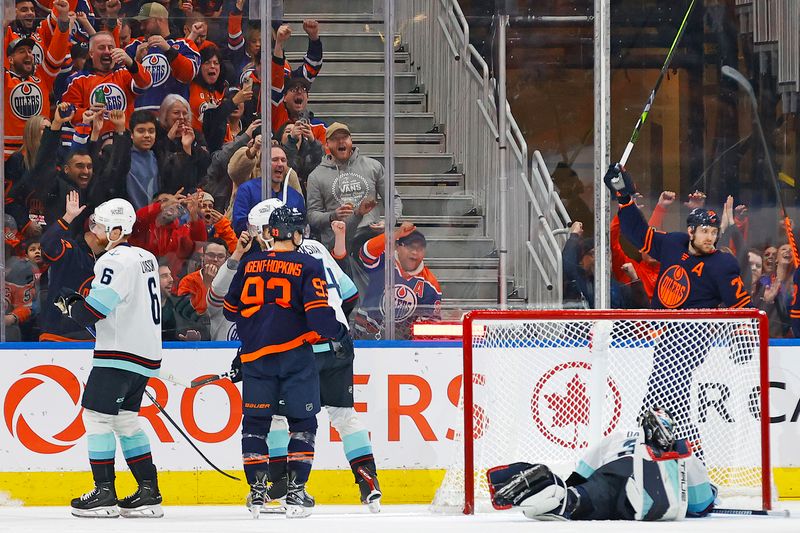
784 513
205 381
737 76
185 436
643 117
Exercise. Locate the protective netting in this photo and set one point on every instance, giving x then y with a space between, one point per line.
534 382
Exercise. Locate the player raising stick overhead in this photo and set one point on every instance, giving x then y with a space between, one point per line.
124 304
693 275
279 301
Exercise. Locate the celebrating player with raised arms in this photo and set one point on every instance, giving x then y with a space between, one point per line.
124 304
694 274
645 474
279 301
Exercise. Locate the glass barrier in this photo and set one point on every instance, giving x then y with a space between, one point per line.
479 219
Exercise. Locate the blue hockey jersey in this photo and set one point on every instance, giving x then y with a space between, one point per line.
279 300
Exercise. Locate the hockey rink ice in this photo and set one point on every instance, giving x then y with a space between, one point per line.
351 519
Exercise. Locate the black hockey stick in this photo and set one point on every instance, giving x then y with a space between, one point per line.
784 513
739 78
643 117
185 436
200 382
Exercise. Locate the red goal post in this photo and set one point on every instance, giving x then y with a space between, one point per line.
742 334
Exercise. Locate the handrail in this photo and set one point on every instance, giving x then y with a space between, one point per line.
462 98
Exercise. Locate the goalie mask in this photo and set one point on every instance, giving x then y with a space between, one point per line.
112 214
659 429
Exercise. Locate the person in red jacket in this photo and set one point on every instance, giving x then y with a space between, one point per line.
159 229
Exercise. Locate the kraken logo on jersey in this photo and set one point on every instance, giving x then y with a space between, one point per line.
158 67
115 96
350 188
26 100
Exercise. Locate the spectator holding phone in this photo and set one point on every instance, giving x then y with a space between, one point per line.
110 81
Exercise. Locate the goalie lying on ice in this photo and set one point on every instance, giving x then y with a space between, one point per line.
645 474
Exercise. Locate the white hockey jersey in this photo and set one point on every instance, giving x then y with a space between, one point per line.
125 291
340 287
680 481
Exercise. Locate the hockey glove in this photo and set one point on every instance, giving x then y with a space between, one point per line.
65 302
343 344
236 369
620 183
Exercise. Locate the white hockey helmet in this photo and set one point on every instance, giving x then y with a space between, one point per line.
115 213
258 218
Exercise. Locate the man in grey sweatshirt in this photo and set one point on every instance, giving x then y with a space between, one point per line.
346 186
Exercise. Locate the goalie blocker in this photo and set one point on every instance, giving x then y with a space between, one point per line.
644 474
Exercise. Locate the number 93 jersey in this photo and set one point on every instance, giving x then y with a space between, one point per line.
126 294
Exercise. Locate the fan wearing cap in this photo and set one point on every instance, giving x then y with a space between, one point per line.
172 63
27 84
25 24
346 186
416 290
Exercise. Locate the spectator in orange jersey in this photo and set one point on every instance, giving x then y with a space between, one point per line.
196 284
25 24
111 81
28 85
212 103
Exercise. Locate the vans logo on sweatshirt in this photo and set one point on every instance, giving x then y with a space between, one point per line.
350 188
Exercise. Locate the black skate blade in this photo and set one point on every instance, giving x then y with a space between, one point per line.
145 511
110 511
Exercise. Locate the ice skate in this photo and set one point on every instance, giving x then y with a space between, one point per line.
258 495
144 503
370 489
98 503
299 503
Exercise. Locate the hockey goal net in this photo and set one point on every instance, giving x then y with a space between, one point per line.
547 384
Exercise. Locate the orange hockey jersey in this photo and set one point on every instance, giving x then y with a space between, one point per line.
29 97
119 86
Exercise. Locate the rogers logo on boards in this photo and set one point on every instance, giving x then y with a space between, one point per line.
19 427
560 405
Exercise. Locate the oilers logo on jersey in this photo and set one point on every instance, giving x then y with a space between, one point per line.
114 95
158 67
26 100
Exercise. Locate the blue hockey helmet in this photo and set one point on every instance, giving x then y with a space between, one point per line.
702 217
284 221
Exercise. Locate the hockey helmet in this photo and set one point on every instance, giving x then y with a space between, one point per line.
284 221
258 218
659 428
115 213
702 217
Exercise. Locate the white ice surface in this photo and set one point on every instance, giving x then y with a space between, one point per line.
351 519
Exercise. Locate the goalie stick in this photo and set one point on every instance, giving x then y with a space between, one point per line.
739 78
783 513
